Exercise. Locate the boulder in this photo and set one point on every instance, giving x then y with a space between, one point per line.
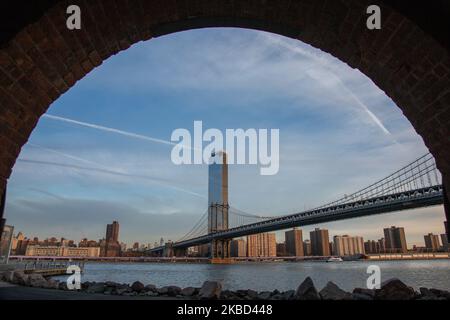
307 291
332 292
7 276
265 295
173 291
121 290
188 292
394 289
137 286
52 284
19 277
251 294
96 287
37 281
363 291
440 293
210 290
360 296
162 291
150 287
288 295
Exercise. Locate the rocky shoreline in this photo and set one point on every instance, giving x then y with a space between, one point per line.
392 289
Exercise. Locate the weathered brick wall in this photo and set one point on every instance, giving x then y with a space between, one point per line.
45 59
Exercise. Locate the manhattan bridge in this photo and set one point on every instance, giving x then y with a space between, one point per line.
416 185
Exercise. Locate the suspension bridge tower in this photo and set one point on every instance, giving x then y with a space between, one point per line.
218 206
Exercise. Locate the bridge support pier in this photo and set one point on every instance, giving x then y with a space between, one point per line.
2 207
220 252
446 184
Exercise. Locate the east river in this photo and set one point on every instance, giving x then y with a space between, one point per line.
272 275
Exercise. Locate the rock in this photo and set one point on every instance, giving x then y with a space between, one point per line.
63 286
188 292
394 289
332 292
288 295
151 294
229 295
96 287
162 291
360 296
307 291
251 294
265 295
173 291
440 293
364 291
37 281
150 287
121 290
137 286
7 276
19 277
210 290
52 284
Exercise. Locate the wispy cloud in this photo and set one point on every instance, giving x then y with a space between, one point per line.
108 129
160 181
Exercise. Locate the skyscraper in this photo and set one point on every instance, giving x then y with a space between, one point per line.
432 242
261 245
444 241
320 243
110 247
112 231
218 192
238 248
294 242
218 202
395 239
347 246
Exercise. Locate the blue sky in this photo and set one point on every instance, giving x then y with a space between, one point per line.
338 133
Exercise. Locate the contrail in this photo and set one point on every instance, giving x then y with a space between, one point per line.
322 62
159 181
69 156
108 129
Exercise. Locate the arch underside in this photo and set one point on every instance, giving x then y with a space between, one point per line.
45 59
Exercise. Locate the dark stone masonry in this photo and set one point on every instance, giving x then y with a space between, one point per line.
408 58
392 289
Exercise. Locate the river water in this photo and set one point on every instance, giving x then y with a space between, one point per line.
272 275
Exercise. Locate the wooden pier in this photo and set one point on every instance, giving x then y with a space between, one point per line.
48 268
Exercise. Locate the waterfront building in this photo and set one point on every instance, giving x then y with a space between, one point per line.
371 247
110 246
444 241
320 243
381 246
294 242
395 240
307 248
347 246
281 250
238 248
432 242
261 245
112 231
62 251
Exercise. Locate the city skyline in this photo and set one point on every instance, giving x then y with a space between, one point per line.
73 175
291 233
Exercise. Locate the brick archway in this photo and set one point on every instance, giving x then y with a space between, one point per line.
43 59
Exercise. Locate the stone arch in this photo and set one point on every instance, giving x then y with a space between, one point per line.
44 59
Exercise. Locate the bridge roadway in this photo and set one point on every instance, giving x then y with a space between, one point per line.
418 198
